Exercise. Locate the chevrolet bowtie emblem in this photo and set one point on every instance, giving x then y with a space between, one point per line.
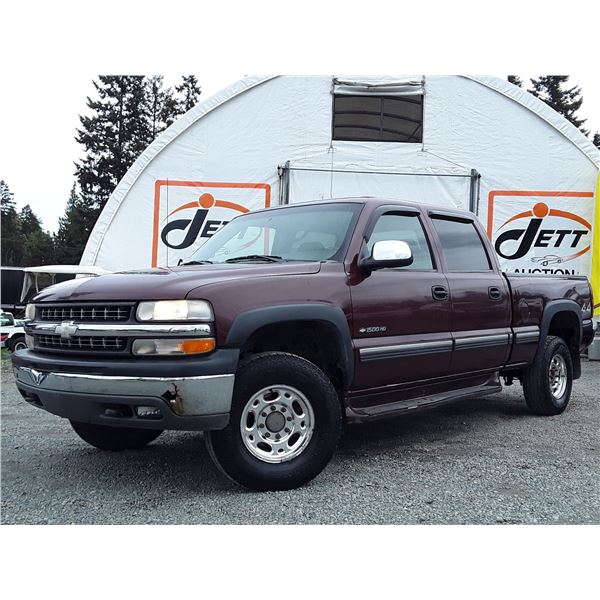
37 376
66 329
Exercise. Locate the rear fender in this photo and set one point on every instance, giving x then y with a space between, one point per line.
553 308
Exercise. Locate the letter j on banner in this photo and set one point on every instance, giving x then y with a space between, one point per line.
187 213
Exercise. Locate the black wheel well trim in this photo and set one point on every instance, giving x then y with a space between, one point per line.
553 308
14 339
247 323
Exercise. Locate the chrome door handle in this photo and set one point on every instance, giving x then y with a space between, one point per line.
439 292
494 293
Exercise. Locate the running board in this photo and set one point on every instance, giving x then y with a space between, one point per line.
381 411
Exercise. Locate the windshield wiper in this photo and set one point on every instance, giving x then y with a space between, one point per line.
195 262
263 257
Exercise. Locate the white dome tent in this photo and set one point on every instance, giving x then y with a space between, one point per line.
476 142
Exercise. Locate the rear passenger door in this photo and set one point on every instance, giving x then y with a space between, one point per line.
479 295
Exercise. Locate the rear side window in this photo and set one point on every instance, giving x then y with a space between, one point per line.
462 247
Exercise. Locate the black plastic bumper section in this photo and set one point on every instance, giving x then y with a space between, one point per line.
217 363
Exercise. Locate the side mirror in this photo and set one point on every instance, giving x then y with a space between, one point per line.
387 254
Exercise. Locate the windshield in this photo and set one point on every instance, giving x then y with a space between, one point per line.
7 319
318 232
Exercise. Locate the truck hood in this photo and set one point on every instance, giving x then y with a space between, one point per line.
165 283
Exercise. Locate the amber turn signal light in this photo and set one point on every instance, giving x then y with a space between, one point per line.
198 346
172 346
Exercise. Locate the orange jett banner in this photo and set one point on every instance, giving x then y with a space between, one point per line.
546 232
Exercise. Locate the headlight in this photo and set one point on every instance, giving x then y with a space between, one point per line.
167 346
30 312
175 310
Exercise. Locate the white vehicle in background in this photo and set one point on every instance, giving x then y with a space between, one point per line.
12 334
38 278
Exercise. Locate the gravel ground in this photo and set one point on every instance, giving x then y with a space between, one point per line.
475 461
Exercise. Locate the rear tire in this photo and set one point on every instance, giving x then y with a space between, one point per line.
286 421
114 438
548 382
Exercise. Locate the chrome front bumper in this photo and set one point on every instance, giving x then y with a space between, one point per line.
193 396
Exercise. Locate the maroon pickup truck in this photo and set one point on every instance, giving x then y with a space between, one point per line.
291 322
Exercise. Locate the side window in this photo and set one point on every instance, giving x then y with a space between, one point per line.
407 228
462 247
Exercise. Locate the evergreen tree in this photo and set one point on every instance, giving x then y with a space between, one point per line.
127 114
37 245
24 243
74 229
29 221
189 92
566 101
38 249
597 140
515 80
113 136
10 233
6 198
161 106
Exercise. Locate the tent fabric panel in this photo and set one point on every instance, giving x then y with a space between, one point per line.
543 111
426 188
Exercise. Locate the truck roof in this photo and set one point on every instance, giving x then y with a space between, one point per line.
375 201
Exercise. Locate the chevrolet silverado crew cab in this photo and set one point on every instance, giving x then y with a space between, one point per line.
289 323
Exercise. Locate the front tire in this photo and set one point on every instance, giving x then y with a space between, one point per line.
548 382
285 424
114 438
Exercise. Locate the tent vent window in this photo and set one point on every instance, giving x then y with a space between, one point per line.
378 118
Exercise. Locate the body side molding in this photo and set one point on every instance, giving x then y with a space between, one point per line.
526 334
409 349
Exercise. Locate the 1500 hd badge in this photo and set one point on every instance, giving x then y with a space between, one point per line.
376 329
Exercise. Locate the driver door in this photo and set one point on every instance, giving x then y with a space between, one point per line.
401 324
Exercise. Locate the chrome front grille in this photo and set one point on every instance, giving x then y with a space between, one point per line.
99 331
84 313
83 343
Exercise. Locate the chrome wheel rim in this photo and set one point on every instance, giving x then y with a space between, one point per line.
557 376
20 346
277 423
